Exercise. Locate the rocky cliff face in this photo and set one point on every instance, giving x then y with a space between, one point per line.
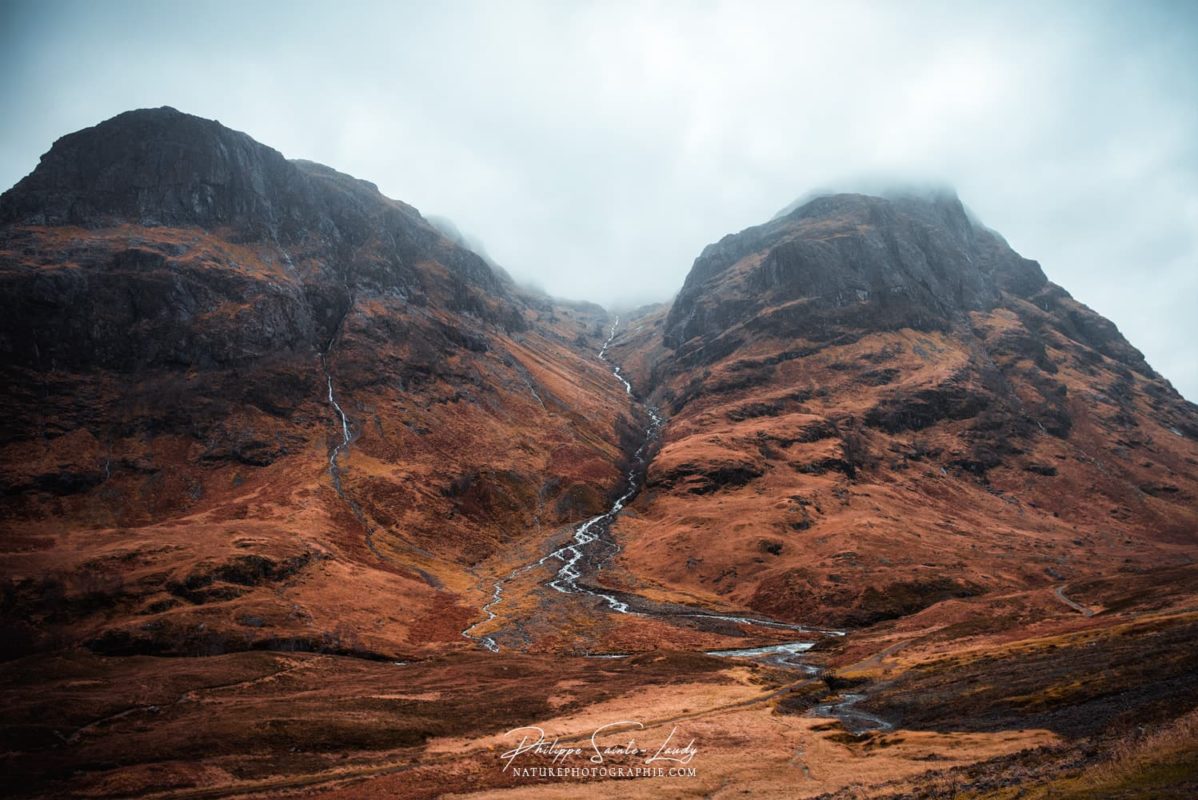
255 410
293 241
184 316
160 167
876 404
854 259
214 354
842 264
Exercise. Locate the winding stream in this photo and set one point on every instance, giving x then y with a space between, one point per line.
785 654
574 557
566 580
571 555
853 719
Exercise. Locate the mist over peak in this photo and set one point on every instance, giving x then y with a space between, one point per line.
888 187
303 492
597 157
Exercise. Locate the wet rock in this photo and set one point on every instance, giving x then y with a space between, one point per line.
771 546
902 267
705 477
800 595
954 399
1160 489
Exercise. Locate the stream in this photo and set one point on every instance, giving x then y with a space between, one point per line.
334 470
335 453
853 719
575 557
571 555
566 580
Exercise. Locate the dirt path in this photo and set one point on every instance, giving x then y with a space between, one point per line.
192 695
1059 592
877 658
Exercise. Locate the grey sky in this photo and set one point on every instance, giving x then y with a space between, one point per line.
595 148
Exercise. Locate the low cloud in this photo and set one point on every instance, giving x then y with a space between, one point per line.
596 148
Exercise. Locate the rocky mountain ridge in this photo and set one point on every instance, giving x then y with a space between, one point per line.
301 494
843 261
897 350
194 327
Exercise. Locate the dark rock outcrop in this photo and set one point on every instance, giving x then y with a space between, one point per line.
850 260
160 167
311 241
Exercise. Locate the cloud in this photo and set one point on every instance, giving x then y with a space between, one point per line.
595 148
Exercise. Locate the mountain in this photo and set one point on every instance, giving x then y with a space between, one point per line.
301 493
238 384
897 409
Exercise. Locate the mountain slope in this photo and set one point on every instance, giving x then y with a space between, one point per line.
185 317
303 495
876 405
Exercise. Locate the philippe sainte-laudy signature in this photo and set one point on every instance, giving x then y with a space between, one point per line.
605 743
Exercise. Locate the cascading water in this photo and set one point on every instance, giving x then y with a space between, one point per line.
787 655
566 580
334 470
571 555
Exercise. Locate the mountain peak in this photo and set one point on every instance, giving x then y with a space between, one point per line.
912 259
157 166
934 195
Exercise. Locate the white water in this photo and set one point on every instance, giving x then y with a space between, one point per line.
335 468
851 718
531 389
345 435
566 581
572 554
788 648
788 654
615 368
783 654
489 609
487 641
766 623
566 578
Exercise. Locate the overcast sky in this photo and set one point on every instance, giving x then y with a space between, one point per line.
595 148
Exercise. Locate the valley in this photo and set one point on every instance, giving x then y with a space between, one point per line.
305 497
